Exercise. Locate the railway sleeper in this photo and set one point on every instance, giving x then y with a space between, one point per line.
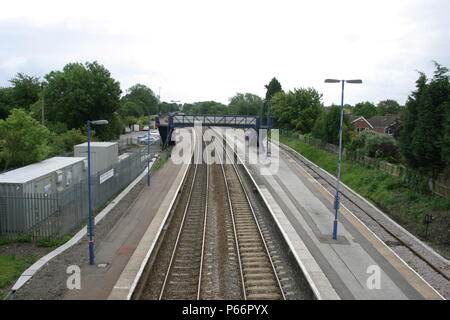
264 296
257 269
273 288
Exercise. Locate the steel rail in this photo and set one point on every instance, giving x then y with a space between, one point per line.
183 223
179 233
267 252
204 229
241 269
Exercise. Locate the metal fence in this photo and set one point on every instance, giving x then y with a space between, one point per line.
54 215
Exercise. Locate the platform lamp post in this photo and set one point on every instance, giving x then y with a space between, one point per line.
90 216
148 152
336 201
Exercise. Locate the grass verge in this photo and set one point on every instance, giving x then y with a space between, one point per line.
11 267
406 206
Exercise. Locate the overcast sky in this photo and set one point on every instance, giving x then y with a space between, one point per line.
209 50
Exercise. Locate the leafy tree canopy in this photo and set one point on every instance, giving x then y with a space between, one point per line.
297 110
425 129
6 103
205 107
25 90
388 107
366 109
61 144
140 100
165 107
22 140
244 104
80 93
326 128
272 88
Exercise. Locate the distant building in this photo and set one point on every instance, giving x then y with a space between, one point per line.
361 124
387 124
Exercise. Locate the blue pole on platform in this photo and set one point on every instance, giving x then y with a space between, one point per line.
90 222
336 203
336 200
148 154
90 226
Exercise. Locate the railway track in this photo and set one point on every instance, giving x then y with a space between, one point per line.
183 274
324 178
196 252
259 276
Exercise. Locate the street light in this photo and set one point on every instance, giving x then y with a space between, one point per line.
148 152
336 201
90 218
43 101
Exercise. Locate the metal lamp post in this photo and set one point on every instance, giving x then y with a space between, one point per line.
336 201
43 101
90 217
148 153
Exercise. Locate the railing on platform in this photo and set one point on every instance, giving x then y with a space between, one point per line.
54 215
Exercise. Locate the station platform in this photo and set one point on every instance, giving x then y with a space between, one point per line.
113 253
358 265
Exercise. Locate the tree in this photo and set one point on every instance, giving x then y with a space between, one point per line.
244 104
22 140
273 87
205 107
6 103
63 143
80 93
165 107
379 145
388 107
132 109
326 128
297 110
366 109
140 100
25 90
445 153
423 133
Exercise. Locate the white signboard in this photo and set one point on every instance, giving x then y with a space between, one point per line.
106 176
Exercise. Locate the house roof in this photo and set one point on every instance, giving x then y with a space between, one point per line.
383 121
362 118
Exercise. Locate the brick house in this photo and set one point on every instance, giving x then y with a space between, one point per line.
387 124
361 124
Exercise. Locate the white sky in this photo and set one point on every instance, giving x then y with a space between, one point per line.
209 50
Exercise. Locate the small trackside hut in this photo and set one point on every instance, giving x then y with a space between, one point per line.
27 193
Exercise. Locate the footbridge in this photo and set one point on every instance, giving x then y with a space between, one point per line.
189 120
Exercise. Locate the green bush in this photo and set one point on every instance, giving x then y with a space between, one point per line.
64 142
374 145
